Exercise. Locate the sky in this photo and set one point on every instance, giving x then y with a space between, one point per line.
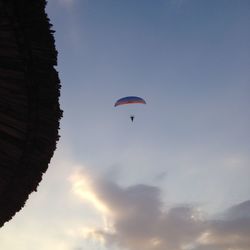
177 178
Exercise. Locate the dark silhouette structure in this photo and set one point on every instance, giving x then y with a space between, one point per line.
29 101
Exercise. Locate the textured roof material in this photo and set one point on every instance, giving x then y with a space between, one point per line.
29 101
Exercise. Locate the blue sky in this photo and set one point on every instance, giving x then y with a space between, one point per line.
177 178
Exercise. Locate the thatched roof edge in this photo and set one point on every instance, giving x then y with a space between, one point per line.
29 105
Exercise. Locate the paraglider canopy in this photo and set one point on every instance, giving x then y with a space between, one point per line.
129 100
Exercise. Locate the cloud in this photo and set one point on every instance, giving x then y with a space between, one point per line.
238 211
161 176
138 219
231 232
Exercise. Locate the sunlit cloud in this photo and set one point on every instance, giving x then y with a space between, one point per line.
82 186
135 218
92 233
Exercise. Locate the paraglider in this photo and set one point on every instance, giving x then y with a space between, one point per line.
130 100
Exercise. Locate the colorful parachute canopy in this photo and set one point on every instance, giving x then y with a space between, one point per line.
129 100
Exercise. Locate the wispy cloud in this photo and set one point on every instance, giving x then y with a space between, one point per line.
138 219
